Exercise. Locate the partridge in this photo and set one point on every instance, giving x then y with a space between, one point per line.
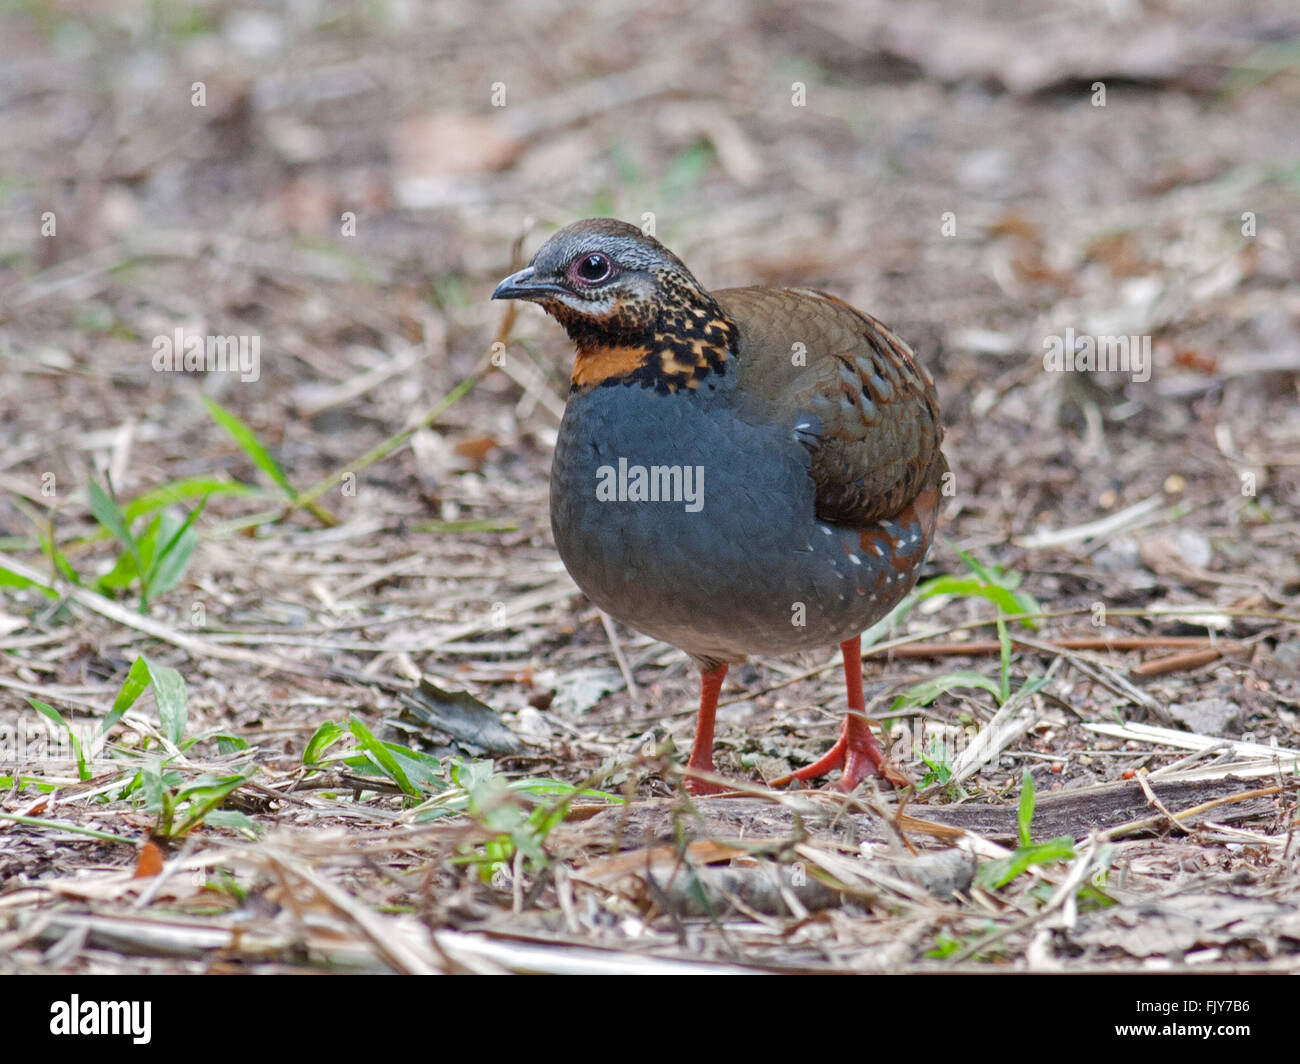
749 471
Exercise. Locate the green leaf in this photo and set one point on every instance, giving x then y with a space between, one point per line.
1004 668
991 583
1005 600
545 787
148 541
945 945
178 542
249 444
936 761
382 756
928 690
1033 685
28 781
132 688
974 566
56 825
204 795
158 557
151 784
996 874
946 585
419 767
8 578
322 739
178 491
60 562
472 775
169 694
124 573
232 819
230 744
1025 815
1028 604
434 812
48 711
107 514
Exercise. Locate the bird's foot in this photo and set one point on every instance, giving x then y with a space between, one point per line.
699 788
856 753
701 759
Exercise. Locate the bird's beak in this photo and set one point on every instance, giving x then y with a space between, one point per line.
523 285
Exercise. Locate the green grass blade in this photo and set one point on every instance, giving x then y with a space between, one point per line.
1025 814
48 711
58 825
8 578
204 795
1004 670
169 694
169 562
132 688
107 514
183 490
999 873
973 565
321 740
928 690
262 458
249 444
382 756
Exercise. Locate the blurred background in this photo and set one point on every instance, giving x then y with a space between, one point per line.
345 183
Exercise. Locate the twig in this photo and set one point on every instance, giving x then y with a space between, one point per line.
1112 681
195 647
389 947
1178 662
388 446
619 656
1007 725
1155 801
1149 733
989 622
979 648
1149 822
1131 517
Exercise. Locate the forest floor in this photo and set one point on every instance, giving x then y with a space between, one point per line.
358 716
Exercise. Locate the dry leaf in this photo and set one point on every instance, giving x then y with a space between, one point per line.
149 862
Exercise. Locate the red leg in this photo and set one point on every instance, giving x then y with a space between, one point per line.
856 750
702 750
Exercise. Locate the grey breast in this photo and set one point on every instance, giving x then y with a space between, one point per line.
728 559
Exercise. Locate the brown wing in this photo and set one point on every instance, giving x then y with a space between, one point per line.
873 403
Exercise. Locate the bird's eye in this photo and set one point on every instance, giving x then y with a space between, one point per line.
593 268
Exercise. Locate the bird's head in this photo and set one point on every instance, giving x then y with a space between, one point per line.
606 282
636 314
